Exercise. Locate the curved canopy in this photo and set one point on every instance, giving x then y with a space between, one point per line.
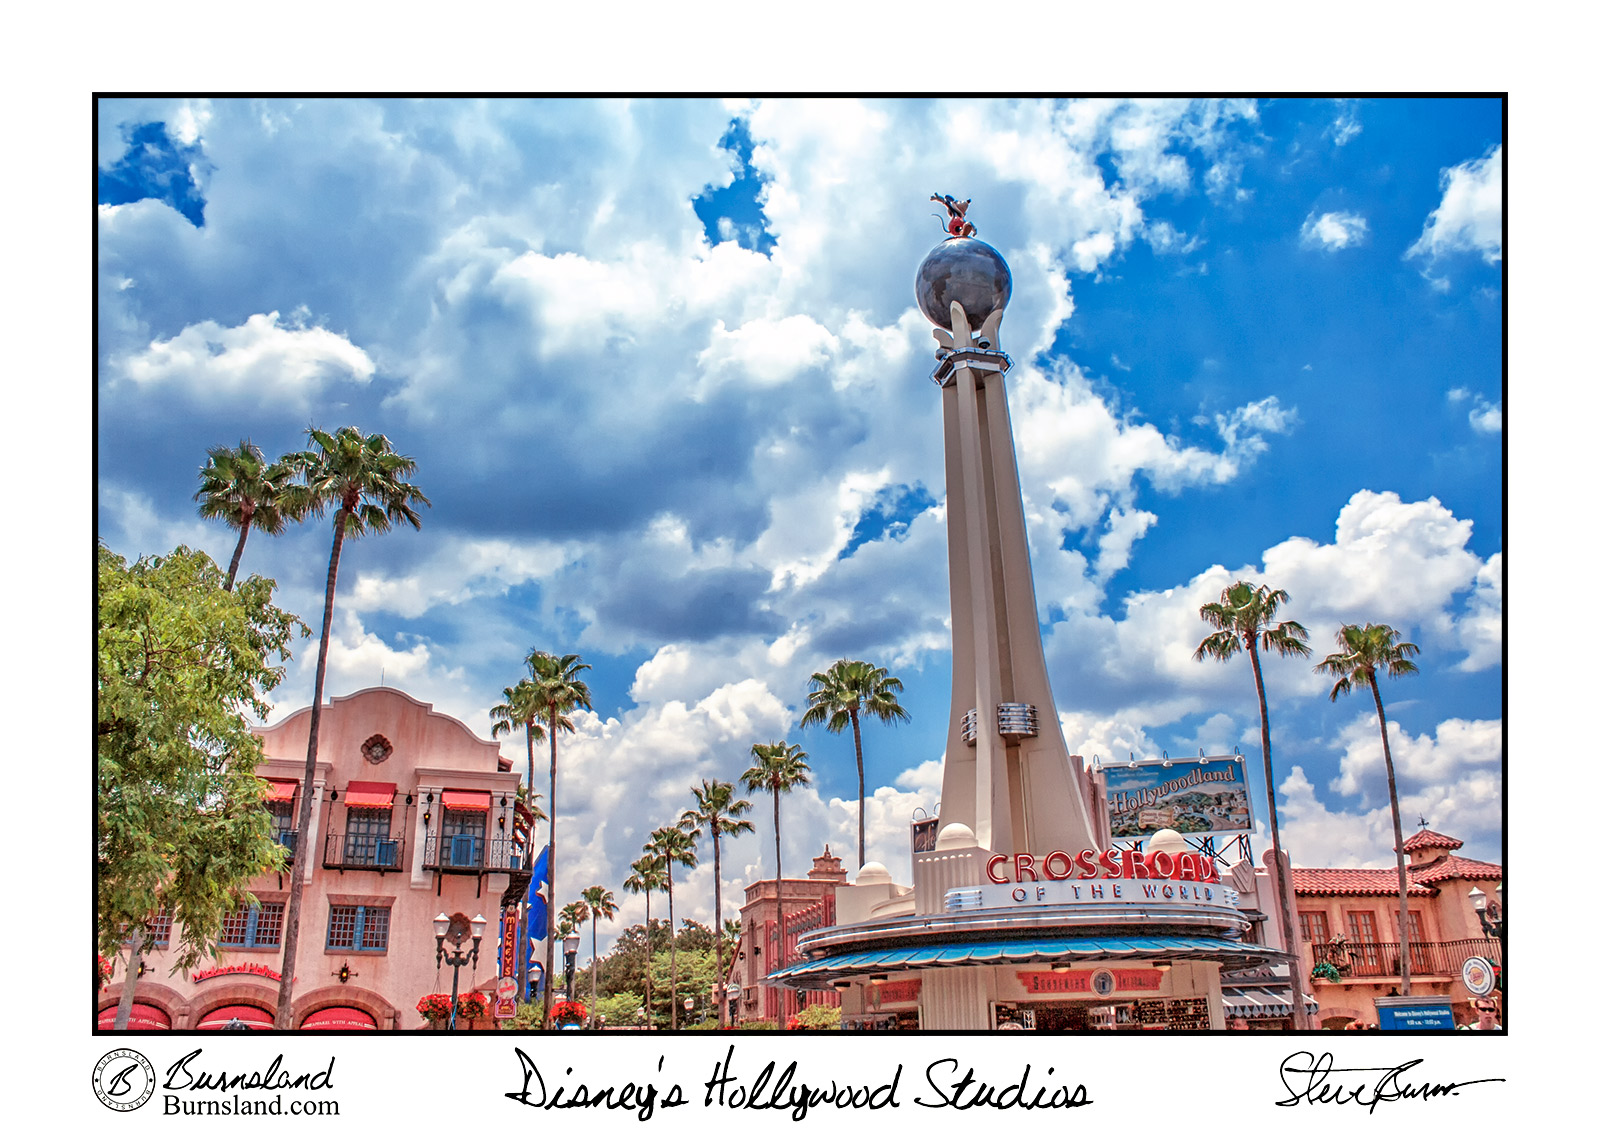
144 1017
255 1018
1080 949
339 1018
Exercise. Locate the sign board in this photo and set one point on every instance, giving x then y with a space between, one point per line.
1102 982
1478 974
924 834
1188 796
505 1004
1099 892
1416 1012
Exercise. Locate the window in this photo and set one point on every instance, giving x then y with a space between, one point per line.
366 837
282 823
1364 956
462 844
159 928
1420 955
361 928
1314 928
259 926
1414 933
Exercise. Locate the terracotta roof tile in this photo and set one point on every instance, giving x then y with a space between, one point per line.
1425 838
1465 868
1356 883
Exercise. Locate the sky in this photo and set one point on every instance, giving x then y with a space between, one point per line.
661 369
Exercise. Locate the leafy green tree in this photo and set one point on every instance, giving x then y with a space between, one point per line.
646 874
619 1009
838 697
241 488
180 821
674 844
717 811
520 710
1368 650
691 976
1243 619
367 485
601 905
818 1017
556 692
779 768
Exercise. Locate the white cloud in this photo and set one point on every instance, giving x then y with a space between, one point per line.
1483 626
1468 217
259 359
1344 128
1333 231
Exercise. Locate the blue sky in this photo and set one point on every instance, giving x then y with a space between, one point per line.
663 375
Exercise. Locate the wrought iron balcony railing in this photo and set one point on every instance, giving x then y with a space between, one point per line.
363 851
1382 961
471 853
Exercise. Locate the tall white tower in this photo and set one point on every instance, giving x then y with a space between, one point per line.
1007 775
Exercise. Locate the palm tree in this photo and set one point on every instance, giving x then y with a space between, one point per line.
674 844
717 811
778 768
367 484
648 873
838 697
1367 650
601 904
556 692
1244 621
241 488
520 710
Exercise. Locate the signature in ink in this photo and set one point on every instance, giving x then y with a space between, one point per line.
1313 1079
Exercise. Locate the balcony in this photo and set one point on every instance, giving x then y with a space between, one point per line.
1382 961
470 853
363 852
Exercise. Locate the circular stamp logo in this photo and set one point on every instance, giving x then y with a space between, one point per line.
1478 975
124 1080
1102 983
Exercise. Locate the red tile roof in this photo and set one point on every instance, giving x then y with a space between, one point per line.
1425 838
1466 868
1356 883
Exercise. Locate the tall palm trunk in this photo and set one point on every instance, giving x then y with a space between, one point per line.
649 952
1404 924
594 966
861 807
238 550
1286 925
129 981
550 884
302 844
716 877
672 937
777 846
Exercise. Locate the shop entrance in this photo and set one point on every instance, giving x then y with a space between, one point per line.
1111 1014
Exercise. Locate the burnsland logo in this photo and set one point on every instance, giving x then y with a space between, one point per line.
124 1080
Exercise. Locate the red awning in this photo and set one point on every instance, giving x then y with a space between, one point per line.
467 800
144 1017
359 793
339 1018
253 1017
283 791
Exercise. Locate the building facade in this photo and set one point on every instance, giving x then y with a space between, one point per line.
1350 922
413 815
766 945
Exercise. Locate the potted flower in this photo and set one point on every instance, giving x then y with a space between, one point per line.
102 971
472 1009
1325 970
568 1014
436 1010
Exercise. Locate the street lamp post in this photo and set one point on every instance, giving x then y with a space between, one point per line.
733 1003
569 949
535 975
456 928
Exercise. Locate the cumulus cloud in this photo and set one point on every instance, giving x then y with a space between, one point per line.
1452 778
1468 217
259 359
1333 231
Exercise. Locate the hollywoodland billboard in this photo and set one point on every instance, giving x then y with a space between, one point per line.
1188 796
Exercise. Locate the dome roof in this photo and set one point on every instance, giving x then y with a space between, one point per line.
873 873
953 836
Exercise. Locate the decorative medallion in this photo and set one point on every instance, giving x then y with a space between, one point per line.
377 749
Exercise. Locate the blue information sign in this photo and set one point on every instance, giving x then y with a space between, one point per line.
1414 1014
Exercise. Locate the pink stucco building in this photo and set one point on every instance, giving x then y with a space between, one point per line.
413 815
